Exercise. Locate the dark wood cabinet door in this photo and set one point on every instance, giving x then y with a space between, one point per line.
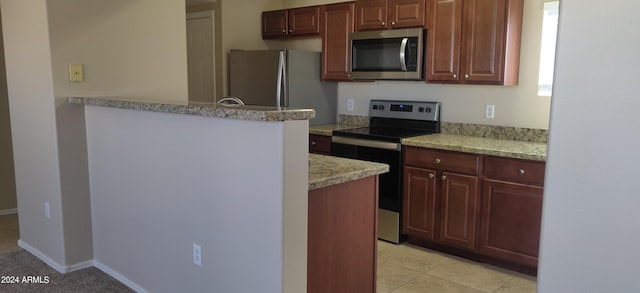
443 41
337 25
274 24
484 40
319 144
510 225
459 210
304 21
371 15
419 208
406 13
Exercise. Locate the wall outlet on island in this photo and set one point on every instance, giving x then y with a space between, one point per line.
351 105
197 255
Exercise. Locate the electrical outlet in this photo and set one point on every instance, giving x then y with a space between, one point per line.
47 211
197 255
351 105
76 73
489 111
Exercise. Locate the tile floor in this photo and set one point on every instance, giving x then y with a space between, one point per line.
402 268
407 268
8 233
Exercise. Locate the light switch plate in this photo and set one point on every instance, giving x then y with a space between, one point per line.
76 73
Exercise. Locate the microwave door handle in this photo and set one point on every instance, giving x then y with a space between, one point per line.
403 48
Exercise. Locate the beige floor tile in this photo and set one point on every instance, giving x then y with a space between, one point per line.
391 276
382 245
519 285
429 284
471 275
412 257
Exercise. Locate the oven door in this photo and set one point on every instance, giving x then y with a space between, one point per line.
389 184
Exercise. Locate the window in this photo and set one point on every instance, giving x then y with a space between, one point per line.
548 47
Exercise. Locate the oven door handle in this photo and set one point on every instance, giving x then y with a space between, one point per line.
392 146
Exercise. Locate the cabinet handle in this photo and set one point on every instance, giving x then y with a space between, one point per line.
521 172
431 176
290 31
393 23
455 76
466 76
284 31
438 161
313 143
444 177
383 23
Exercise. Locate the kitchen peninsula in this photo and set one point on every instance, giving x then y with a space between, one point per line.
232 180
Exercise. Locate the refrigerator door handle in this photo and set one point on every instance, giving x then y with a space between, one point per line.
281 75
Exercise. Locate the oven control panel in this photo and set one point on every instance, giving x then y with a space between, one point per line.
429 111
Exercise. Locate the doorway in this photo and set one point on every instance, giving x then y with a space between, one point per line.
201 56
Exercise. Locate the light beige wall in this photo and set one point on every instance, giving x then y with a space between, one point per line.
8 199
241 26
33 126
129 48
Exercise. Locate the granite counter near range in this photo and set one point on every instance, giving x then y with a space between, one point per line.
481 145
526 144
254 113
327 170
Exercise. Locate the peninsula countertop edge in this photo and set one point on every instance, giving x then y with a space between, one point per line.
246 112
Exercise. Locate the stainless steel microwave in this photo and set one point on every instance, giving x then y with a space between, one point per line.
387 54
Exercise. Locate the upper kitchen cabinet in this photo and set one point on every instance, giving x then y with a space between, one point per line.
390 14
302 21
337 24
474 41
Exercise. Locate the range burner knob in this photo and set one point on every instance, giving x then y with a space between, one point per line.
381 107
421 109
428 110
375 107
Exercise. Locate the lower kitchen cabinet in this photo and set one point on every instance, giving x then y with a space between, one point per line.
342 237
319 144
458 210
441 196
419 211
512 210
482 207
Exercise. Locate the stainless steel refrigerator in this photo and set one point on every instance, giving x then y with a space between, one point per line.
282 77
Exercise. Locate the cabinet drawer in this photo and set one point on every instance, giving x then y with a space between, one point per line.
514 170
442 160
319 144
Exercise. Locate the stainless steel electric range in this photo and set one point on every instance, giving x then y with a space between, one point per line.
389 122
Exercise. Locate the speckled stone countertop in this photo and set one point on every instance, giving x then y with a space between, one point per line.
481 145
255 113
327 129
326 170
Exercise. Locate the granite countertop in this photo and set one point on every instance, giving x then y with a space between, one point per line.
327 129
481 145
327 170
255 113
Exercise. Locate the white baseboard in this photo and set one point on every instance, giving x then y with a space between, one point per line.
83 265
107 270
8 212
52 263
